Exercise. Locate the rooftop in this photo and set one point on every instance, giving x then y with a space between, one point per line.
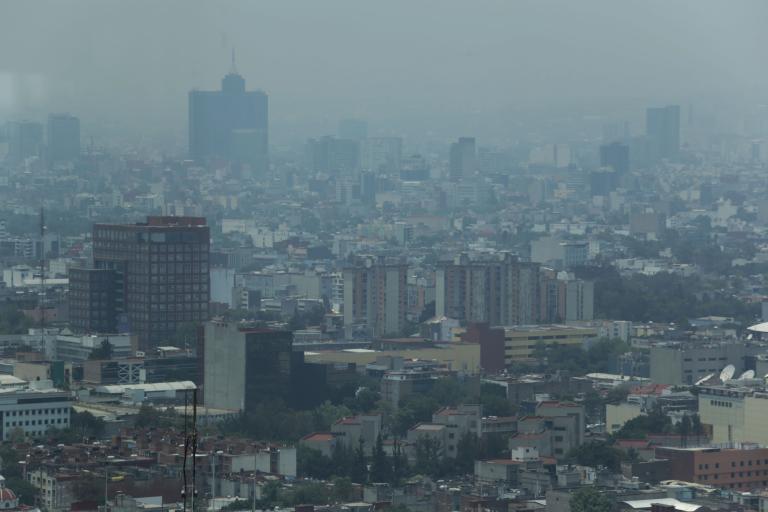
679 505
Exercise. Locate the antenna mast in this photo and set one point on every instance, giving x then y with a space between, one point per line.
42 279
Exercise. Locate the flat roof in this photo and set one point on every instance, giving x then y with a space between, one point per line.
679 505
159 386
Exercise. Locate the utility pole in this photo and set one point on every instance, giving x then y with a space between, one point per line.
253 493
106 482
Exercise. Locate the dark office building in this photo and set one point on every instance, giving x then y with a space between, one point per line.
25 140
615 156
231 123
662 126
603 182
333 156
246 366
243 367
368 187
92 300
63 138
462 159
160 272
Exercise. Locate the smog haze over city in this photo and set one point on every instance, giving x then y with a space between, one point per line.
426 69
394 256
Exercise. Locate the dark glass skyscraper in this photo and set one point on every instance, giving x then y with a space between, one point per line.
662 126
231 124
462 162
615 156
63 138
25 139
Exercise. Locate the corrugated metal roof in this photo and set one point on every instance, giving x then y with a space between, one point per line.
148 388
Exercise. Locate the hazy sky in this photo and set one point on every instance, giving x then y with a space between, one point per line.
130 63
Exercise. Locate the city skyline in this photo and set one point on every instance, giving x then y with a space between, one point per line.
506 67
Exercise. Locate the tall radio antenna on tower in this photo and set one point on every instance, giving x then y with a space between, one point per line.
42 279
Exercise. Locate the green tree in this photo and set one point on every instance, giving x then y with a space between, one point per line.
655 422
27 493
342 488
597 453
360 468
13 321
413 409
429 456
588 499
342 461
381 466
399 462
86 425
467 451
315 493
494 401
238 504
312 463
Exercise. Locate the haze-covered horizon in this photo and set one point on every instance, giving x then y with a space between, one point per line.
419 69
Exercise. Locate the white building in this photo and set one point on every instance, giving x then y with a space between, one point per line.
33 411
79 347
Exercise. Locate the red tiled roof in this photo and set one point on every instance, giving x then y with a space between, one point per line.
318 436
349 420
650 389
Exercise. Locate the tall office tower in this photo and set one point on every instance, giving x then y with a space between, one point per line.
382 155
563 298
63 138
375 297
615 156
368 188
243 367
222 122
498 289
353 129
462 161
662 126
333 156
25 139
148 279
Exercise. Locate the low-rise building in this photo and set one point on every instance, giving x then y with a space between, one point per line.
353 430
34 411
743 467
736 413
519 343
685 363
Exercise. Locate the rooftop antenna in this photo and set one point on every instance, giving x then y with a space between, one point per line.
42 279
233 69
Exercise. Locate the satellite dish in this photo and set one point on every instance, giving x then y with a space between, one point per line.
727 373
749 374
704 379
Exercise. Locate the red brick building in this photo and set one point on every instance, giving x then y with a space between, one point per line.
742 468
